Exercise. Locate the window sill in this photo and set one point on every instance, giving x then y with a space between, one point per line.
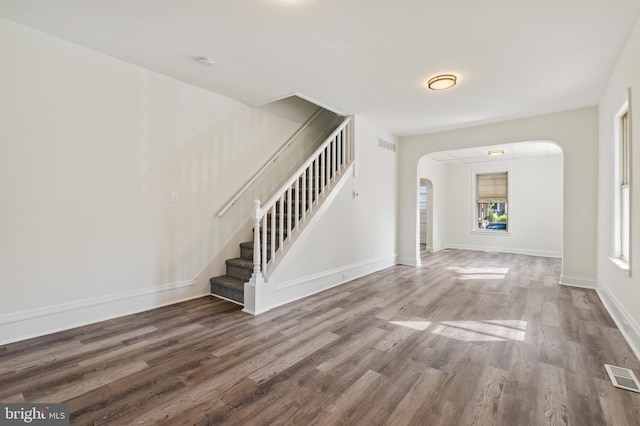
621 264
504 233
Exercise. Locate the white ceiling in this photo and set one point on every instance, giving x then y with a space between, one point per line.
372 58
513 151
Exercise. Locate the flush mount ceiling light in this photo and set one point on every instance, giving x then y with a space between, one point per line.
204 61
496 151
442 81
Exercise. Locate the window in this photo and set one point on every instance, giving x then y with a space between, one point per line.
623 205
423 198
491 201
622 178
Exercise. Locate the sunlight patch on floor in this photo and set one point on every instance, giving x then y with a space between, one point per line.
482 331
416 325
481 273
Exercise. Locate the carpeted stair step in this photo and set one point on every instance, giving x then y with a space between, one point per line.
240 268
246 250
231 288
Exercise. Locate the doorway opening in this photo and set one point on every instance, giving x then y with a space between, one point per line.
426 215
534 189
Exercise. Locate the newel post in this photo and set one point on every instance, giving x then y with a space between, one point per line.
256 215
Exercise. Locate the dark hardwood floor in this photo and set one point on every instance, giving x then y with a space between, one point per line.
468 338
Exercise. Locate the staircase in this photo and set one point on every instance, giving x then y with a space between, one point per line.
240 269
283 217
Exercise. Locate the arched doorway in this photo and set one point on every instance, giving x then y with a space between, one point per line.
535 197
426 215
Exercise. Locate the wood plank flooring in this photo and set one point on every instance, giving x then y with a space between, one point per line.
469 338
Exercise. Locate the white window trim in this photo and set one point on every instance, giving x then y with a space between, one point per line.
490 232
474 203
616 258
622 264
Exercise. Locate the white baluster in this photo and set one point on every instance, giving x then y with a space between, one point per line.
323 169
304 194
317 178
256 214
341 151
281 224
297 198
349 144
273 232
289 213
265 244
327 172
334 157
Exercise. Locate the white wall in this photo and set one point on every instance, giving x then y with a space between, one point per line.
357 235
90 149
620 291
437 208
576 133
535 207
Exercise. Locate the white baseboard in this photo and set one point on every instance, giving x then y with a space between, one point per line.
540 253
408 261
217 296
50 319
629 328
299 288
577 282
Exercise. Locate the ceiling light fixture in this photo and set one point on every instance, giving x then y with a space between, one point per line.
496 151
442 81
204 61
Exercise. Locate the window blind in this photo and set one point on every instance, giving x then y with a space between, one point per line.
492 188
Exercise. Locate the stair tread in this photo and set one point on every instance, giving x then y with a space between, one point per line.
240 262
249 245
228 287
229 281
